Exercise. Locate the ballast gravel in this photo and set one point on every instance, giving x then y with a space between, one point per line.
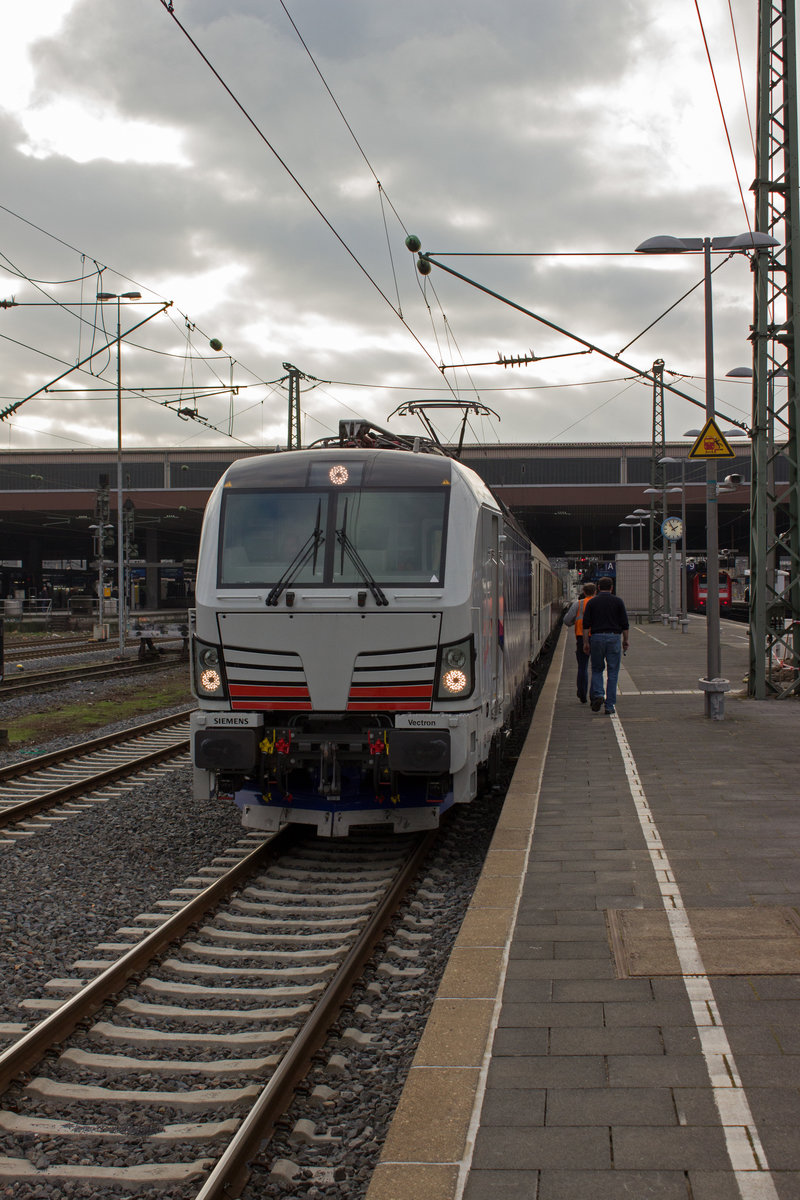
68 887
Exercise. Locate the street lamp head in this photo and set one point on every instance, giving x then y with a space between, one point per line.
121 296
641 512
728 433
751 241
747 373
668 459
665 243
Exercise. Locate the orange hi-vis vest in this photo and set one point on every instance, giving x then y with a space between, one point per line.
579 618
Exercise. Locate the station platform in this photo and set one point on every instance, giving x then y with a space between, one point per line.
620 1016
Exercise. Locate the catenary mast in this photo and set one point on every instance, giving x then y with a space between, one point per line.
775 527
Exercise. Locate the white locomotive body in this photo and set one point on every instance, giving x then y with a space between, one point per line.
364 628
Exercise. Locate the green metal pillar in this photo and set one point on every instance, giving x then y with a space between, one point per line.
775 530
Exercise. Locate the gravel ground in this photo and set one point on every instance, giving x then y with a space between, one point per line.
89 690
65 889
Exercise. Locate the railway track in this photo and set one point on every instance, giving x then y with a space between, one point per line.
26 648
179 1082
45 680
52 780
27 651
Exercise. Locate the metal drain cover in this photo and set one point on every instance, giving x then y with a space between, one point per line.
732 941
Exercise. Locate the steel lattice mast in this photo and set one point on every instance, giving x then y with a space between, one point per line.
775 529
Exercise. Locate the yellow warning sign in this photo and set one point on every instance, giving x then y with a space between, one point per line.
711 443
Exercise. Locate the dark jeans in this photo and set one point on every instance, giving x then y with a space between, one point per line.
583 669
606 651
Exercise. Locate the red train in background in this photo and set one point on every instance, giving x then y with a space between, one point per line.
697 589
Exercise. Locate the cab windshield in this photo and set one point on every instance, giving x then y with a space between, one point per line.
397 536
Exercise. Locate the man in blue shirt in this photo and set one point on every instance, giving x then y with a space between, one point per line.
605 638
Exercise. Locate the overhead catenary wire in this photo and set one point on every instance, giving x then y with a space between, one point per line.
741 78
722 114
167 4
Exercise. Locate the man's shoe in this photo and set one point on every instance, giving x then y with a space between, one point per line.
610 712
596 703
581 697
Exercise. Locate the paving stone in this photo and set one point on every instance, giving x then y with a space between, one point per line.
547 1016
611 1185
511 1041
717 1185
757 1071
560 932
650 1071
665 1012
627 991
586 1148
528 948
544 1071
583 1040
501 1185
521 1108
611 1106
565 968
665 1149
753 1040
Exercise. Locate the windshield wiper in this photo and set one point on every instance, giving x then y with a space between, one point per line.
355 558
307 551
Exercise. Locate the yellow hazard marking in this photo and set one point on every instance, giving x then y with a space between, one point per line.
711 443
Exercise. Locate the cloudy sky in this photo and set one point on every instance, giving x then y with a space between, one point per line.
532 144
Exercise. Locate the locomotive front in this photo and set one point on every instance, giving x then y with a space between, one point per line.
338 648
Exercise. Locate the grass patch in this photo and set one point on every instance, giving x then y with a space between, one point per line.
120 702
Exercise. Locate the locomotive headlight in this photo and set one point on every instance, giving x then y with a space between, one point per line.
455 681
210 681
208 671
455 672
455 656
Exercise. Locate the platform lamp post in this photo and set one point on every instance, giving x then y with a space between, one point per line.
105 297
713 686
637 524
641 513
634 521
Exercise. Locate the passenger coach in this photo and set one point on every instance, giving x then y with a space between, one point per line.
366 617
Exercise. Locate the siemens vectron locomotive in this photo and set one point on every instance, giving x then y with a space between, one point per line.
366 618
